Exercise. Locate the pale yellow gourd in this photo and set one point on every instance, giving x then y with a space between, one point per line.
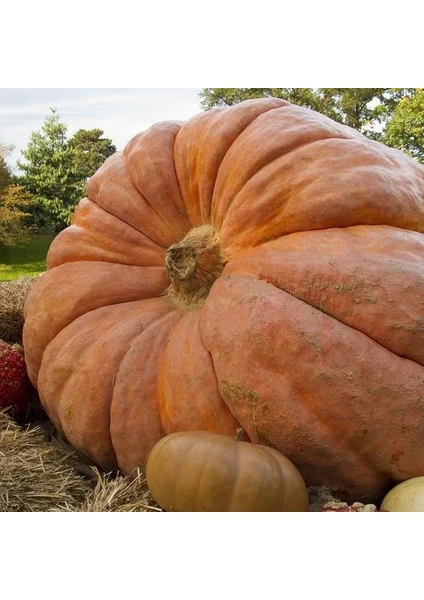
408 496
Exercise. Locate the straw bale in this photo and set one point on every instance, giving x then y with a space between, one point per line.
13 295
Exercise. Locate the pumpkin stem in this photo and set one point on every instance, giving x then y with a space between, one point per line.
239 434
193 265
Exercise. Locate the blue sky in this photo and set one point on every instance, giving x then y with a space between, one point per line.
120 112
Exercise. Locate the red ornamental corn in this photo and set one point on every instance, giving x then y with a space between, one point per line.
15 388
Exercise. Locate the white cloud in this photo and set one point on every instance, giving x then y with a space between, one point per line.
120 113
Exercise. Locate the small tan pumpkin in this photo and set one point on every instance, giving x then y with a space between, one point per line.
200 471
407 496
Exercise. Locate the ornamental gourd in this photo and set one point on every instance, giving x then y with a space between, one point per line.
259 266
407 496
199 471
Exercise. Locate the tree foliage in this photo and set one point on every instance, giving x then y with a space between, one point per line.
15 203
5 174
88 151
47 172
55 170
405 130
366 109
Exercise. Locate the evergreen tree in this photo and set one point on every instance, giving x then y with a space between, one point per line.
88 150
47 173
55 170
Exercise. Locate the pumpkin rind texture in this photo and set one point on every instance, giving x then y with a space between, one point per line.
200 471
310 334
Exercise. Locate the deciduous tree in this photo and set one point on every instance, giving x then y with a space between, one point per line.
15 203
405 130
366 109
5 174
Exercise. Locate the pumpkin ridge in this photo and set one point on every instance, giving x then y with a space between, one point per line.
245 437
83 315
124 221
152 205
269 455
350 262
91 237
53 417
143 197
307 188
359 454
128 150
58 406
104 305
164 317
114 190
209 458
152 323
278 236
177 179
285 154
236 476
237 393
203 128
268 281
204 407
176 472
50 326
289 154
268 110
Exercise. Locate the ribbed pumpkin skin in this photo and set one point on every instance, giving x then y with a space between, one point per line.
312 337
200 471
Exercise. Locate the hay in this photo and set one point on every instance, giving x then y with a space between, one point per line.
119 494
37 475
13 295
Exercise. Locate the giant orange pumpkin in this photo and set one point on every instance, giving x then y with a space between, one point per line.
258 266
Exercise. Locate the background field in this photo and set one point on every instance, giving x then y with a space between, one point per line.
26 260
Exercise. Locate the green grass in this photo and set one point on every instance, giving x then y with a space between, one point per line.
26 260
